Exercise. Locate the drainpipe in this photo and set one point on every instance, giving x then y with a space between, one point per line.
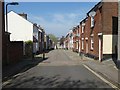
100 46
99 49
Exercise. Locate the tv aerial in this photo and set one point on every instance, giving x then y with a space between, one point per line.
92 14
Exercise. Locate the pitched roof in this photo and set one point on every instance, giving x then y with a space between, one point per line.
98 5
19 16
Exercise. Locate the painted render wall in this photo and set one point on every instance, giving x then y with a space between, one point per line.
109 10
20 28
35 34
108 44
103 24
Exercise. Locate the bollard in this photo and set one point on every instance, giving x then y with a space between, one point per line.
81 55
43 54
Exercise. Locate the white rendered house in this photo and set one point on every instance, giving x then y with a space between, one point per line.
21 29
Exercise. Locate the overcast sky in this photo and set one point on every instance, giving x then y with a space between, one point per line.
55 17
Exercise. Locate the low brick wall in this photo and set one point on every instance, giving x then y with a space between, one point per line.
15 51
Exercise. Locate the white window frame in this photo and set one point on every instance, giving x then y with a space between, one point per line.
92 21
77 45
82 43
92 43
83 26
82 29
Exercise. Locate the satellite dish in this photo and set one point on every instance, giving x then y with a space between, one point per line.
92 14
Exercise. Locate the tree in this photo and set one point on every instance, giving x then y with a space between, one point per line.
28 48
53 38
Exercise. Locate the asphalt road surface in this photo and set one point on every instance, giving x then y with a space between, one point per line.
61 69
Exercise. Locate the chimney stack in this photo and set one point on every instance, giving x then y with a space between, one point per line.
23 15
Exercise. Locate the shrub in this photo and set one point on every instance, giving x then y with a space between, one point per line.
28 48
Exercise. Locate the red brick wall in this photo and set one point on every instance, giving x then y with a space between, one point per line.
3 33
109 9
80 28
97 28
6 39
74 40
82 36
77 38
87 35
103 23
67 43
15 51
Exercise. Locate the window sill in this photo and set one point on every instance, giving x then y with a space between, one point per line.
92 27
91 49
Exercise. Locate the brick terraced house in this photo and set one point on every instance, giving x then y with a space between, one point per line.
97 34
102 30
76 39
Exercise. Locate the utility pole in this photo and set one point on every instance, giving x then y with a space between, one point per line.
7 44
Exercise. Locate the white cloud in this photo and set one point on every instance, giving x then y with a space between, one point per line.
58 24
73 15
58 18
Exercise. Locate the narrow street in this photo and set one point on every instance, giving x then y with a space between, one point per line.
49 44
61 69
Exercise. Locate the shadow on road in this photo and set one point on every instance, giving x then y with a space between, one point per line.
55 82
20 67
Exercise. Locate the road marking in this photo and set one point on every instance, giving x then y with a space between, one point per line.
115 68
17 75
113 86
6 82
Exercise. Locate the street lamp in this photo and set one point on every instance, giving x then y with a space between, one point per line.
7 48
13 3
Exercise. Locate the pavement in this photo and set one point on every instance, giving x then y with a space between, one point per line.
56 61
19 67
106 68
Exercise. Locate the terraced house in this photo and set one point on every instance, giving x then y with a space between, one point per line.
84 36
24 30
76 39
101 28
96 35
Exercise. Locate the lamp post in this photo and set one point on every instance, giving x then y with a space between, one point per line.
13 3
7 48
